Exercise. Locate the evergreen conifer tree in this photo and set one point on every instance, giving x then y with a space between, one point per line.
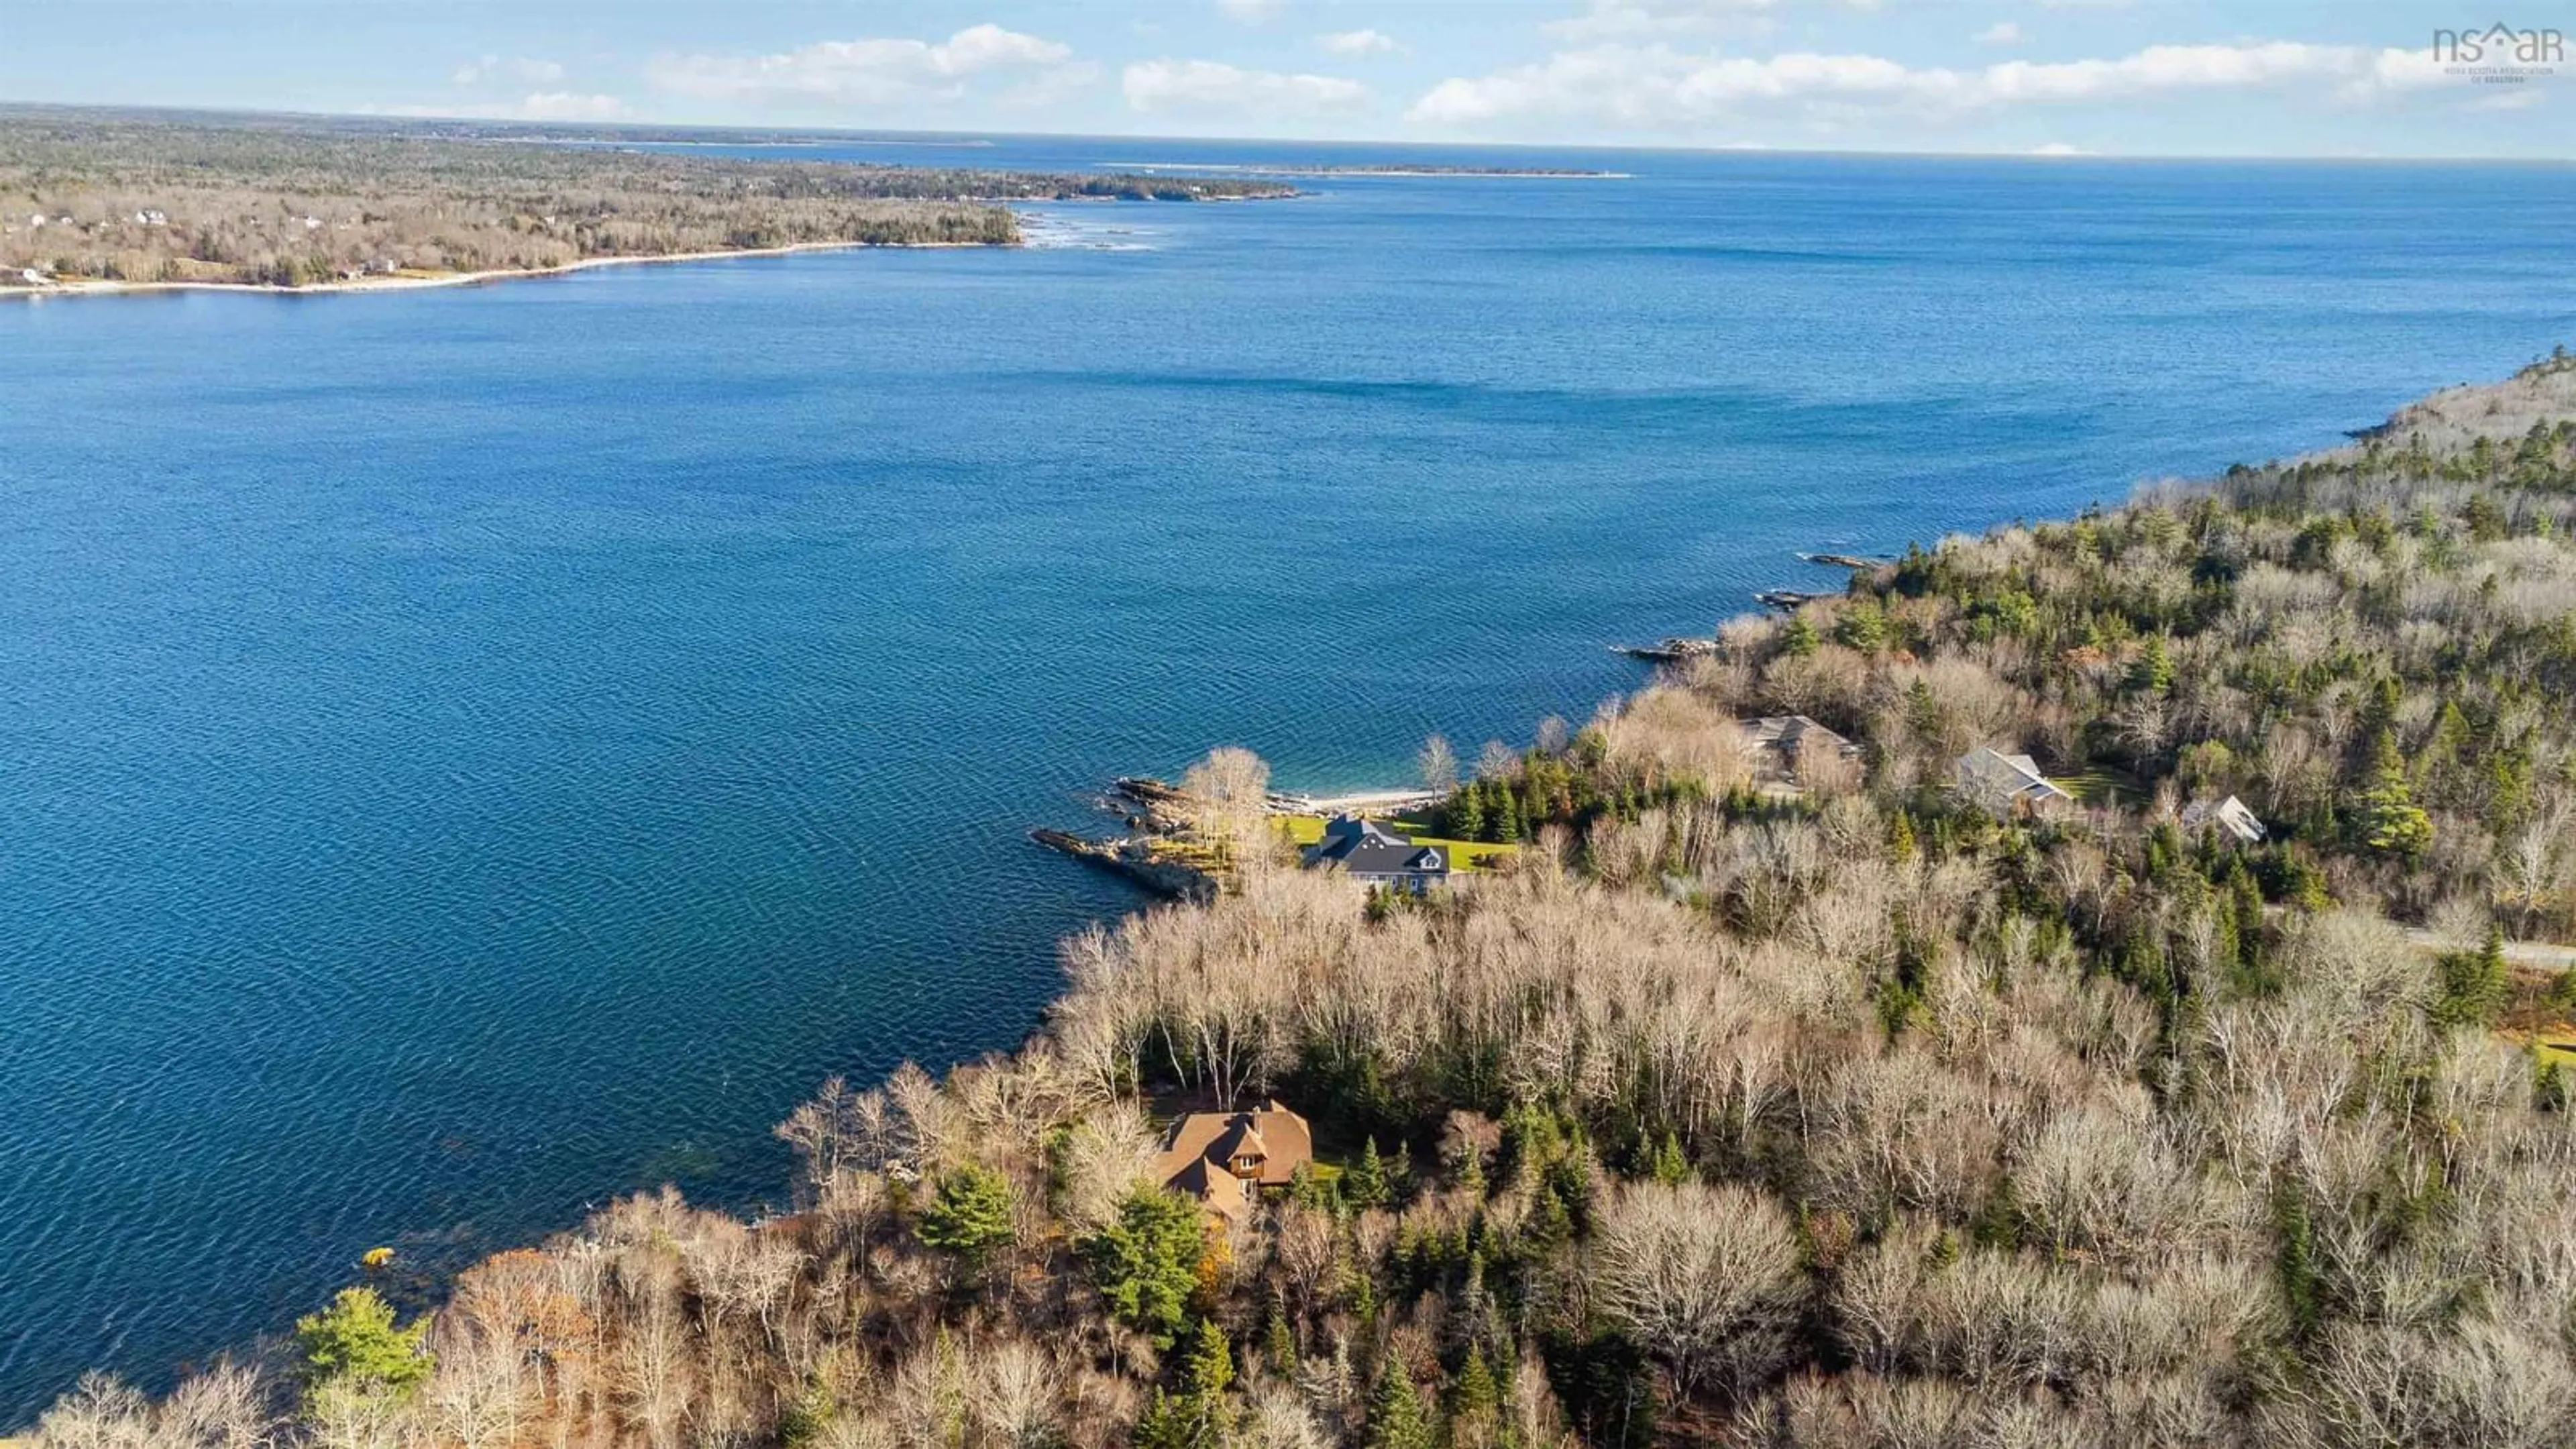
1396 1417
2389 819
1365 1184
1476 1397
969 1216
354 1343
1671 1167
1279 1343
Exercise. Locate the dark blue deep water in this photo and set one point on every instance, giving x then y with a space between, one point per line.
468 753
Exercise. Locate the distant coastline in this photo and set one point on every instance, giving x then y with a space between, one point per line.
1510 173
107 288
972 143
113 203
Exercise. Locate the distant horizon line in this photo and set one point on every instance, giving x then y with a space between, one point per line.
605 129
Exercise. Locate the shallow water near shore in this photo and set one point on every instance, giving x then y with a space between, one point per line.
473 752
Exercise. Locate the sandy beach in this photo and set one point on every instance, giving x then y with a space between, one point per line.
454 279
1354 802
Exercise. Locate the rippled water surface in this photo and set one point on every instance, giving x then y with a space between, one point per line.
464 754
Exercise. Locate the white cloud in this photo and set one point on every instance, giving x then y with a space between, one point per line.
1252 12
521 68
862 72
1657 86
2506 98
1207 85
1052 86
1614 20
1359 42
2163 68
1611 20
2059 148
2404 70
2002 32
568 106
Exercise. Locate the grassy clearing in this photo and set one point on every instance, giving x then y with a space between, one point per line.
1464 855
2105 785
2554 1048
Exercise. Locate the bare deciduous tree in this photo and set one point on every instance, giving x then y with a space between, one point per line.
1438 765
1706 1277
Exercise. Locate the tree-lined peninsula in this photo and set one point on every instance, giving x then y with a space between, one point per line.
2199 1097
145 198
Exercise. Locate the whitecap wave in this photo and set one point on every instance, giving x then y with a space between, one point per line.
1054 231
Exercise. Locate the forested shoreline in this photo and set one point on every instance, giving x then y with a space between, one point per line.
151 198
1862 1113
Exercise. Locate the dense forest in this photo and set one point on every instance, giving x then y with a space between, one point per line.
1854 1114
289 201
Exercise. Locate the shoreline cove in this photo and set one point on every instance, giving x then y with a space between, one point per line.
936 1170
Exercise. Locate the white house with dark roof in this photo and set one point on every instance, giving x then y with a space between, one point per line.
1368 851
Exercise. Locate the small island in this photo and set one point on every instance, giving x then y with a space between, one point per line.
97 200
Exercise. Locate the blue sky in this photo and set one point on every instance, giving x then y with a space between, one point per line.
2113 77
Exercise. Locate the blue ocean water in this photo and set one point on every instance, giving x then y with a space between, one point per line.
469 753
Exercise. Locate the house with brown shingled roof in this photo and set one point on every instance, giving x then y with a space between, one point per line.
1224 1159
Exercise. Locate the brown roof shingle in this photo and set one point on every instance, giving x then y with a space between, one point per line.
1272 1139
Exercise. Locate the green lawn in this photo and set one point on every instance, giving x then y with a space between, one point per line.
2560 1050
1305 830
2105 785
